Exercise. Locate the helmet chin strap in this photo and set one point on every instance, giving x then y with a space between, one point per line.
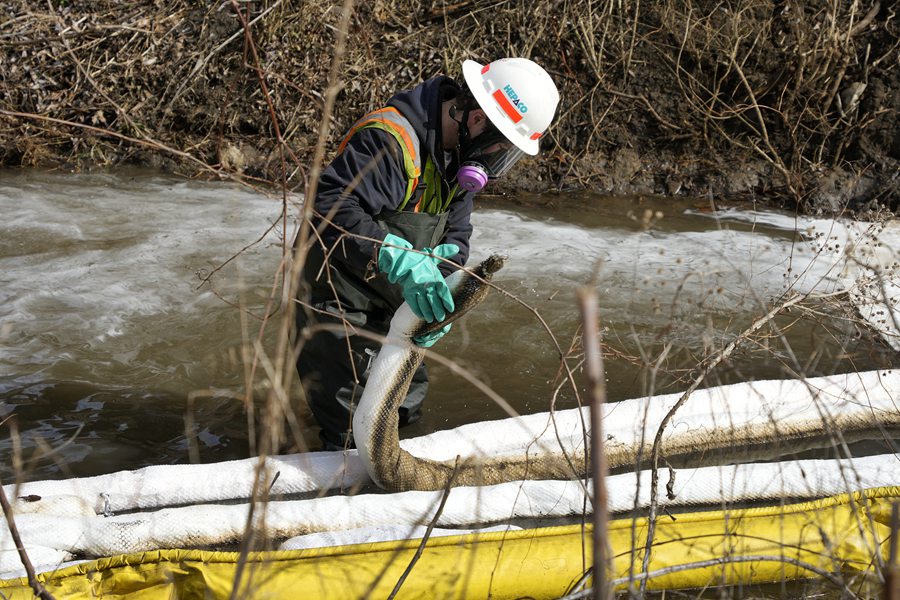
462 136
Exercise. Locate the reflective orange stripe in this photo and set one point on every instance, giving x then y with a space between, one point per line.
374 117
392 121
411 189
507 106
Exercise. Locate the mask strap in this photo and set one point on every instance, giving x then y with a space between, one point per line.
463 135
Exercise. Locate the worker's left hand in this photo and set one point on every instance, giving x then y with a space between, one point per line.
424 288
430 339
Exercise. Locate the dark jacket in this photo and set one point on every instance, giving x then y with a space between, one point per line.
368 178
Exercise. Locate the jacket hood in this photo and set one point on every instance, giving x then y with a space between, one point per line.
422 107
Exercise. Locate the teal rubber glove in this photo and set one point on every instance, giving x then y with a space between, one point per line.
417 273
430 339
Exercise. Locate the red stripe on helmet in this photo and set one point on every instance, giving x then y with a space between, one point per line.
507 106
485 68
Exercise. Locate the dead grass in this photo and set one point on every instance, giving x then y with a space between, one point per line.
798 96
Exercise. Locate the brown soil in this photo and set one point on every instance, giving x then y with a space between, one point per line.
787 102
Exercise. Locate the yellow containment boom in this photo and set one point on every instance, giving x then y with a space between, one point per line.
843 535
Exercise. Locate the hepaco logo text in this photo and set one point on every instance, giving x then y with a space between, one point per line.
514 98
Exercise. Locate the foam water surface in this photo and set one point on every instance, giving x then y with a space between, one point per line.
106 327
97 269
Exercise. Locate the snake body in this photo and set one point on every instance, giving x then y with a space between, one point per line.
376 417
748 430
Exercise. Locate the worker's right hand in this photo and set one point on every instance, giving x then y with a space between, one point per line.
417 273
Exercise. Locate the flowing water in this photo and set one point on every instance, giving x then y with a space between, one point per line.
114 345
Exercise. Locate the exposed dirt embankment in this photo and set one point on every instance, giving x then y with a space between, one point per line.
785 101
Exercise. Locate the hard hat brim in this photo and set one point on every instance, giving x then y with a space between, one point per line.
472 73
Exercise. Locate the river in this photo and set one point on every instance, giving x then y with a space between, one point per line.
108 325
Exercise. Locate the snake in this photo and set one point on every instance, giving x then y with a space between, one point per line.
741 437
375 420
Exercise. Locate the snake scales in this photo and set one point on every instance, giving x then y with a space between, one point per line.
375 421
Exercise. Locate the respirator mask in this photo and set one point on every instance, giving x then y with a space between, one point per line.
485 157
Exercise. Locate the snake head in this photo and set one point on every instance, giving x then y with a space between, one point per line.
490 265
468 288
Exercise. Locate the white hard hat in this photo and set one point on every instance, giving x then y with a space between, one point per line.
518 97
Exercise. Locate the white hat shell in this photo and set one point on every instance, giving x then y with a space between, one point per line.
518 96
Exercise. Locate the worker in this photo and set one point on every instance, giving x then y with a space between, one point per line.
402 181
